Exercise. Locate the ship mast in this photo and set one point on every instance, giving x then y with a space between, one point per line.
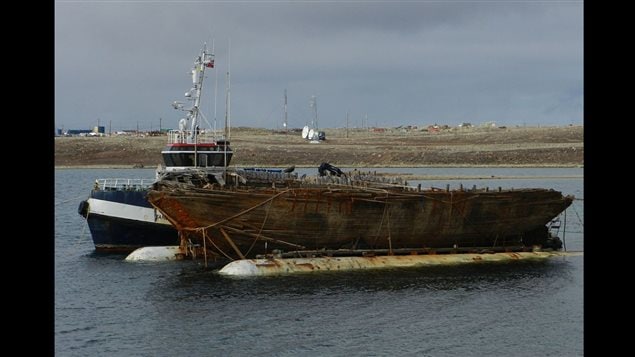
189 136
228 97
215 87
227 106
203 61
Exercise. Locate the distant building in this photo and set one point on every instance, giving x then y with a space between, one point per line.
78 131
126 132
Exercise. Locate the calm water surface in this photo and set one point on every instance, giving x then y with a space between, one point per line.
106 306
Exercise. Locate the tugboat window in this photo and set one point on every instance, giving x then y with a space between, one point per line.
168 160
202 160
188 160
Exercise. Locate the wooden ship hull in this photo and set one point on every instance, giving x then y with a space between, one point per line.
244 221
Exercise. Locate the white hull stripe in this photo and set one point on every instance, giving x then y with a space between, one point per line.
125 211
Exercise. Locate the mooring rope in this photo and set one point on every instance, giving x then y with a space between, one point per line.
577 215
205 247
238 214
82 234
68 200
215 246
564 231
261 228
381 222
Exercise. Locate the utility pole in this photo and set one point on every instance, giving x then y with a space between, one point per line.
160 127
347 124
314 121
317 127
286 124
110 127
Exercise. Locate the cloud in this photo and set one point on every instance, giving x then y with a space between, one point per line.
398 62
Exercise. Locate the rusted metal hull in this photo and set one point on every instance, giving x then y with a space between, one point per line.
275 266
237 223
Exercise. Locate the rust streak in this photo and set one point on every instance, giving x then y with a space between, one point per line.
294 201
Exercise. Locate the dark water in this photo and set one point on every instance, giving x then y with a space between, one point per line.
106 306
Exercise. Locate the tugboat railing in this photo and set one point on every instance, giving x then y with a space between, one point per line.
123 184
187 137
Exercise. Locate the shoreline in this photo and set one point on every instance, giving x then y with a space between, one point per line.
404 175
514 147
528 166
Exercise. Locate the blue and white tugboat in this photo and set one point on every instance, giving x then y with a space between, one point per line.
119 216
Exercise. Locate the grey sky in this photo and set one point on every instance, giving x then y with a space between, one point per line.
400 62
